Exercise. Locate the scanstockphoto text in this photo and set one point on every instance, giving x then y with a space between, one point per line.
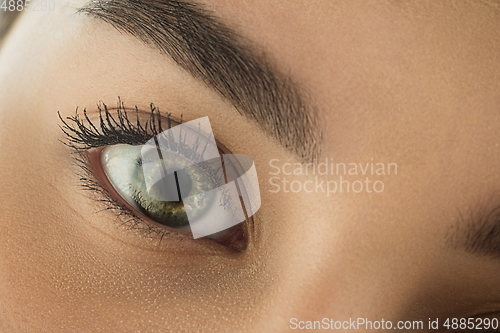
330 177
364 324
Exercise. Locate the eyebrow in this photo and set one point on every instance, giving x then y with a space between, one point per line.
213 53
478 231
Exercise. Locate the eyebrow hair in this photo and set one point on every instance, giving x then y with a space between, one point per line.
478 231
213 53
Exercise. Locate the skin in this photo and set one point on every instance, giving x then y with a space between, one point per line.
416 84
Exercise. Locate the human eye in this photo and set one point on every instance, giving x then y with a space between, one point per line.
116 156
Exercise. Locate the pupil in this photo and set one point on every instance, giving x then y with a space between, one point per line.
167 189
184 182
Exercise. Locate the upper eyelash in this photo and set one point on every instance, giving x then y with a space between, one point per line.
86 137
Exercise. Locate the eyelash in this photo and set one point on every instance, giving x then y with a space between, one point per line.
84 136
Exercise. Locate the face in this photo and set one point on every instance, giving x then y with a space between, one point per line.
379 197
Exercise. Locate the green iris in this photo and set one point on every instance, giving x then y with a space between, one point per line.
195 180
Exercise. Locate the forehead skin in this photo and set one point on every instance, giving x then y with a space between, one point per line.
412 83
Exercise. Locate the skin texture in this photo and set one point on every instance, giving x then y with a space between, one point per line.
416 84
